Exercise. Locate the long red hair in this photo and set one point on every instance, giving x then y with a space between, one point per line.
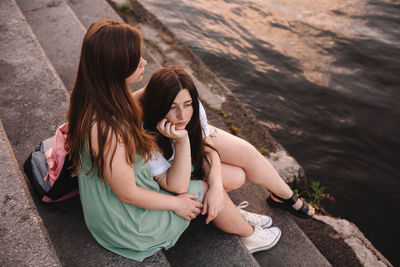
111 52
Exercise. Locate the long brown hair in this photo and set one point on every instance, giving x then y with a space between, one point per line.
111 52
156 102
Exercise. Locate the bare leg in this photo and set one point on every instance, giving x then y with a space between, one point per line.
229 219
232 177
237 152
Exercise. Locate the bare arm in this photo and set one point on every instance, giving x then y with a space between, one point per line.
178 176
215 176
213 200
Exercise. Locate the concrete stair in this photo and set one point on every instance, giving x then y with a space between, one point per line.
39 50
21 227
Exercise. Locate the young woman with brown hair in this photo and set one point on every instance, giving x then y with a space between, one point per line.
234 159
125 209
171 91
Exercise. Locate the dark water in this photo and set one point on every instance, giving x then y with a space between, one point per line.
324 76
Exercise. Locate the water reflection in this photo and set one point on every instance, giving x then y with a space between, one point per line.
300 30
296 29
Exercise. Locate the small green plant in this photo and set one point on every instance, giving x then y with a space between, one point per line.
52 4
222 114
314 196
264 151
317 194
126 8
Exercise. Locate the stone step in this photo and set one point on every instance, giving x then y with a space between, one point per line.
204 245
33 98
57 30
25 241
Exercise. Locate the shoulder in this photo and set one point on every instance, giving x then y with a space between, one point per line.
138 94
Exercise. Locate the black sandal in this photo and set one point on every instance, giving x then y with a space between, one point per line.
288 203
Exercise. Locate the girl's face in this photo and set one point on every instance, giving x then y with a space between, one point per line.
181 110
137 76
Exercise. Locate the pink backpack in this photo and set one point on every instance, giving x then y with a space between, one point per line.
48 168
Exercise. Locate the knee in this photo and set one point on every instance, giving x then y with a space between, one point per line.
239 181
235 181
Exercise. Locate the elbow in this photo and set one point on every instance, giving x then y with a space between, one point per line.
126 200
178 188
180 192
128 197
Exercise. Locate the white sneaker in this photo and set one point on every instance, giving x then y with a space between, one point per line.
262 239
254 219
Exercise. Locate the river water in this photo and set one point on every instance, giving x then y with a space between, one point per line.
324 76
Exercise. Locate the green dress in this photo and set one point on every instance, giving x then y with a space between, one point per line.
127 230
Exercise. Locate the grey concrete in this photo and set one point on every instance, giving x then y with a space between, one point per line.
205 245
59 33
88 11
33 99
24 240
